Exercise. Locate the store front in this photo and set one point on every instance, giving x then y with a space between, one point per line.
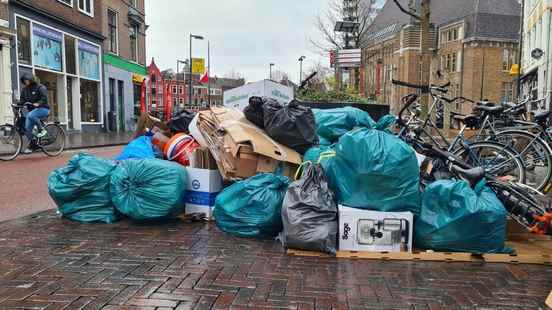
123 85
67 63
5 72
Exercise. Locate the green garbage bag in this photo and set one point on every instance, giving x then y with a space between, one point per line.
149 189
313 154
252 208
81 189
331 124
455 217
373 169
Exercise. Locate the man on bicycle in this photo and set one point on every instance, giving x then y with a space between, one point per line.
35 96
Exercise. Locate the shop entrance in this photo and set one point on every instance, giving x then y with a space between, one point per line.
55 83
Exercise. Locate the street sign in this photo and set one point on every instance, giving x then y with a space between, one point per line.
350 58
198 65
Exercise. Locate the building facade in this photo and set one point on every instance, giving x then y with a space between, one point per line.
124 61
536 62
6 36
60 41
474 45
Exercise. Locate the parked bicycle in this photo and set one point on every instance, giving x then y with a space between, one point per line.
525 205
11 136
497 159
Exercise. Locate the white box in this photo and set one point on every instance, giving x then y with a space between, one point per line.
373 231
203 187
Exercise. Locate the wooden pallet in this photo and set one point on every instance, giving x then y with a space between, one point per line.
529 249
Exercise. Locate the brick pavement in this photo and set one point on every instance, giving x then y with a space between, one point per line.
49 263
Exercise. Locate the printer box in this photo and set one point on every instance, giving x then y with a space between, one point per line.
373 231
203 187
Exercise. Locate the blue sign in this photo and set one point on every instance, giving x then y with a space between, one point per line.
89 61
47 48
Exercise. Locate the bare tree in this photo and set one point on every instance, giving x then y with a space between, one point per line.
363 13
320 81
234 74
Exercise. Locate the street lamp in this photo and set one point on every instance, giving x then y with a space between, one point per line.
190 87
178 62
301 68
271 65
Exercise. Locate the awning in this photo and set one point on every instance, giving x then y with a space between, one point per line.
530 74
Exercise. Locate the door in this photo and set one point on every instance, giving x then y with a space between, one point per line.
70 123
121 104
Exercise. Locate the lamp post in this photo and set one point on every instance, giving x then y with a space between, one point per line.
190 87
301 68
271 65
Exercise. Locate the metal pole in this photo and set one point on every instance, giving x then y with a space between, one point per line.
300 70
209 73
270 74
190 87
520 49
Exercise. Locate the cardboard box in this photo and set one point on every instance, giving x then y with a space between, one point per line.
372 231
203 187
241 149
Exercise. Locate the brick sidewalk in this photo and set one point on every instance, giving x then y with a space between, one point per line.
48 263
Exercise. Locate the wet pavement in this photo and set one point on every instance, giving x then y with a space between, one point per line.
78 140
51 263
23 182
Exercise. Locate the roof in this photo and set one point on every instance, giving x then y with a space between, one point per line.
496 19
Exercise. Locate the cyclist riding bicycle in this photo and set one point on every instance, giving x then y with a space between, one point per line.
35 96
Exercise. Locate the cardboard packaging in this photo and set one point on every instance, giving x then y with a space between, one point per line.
372 231
241 149
205 183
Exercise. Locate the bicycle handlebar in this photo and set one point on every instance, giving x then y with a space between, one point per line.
426 89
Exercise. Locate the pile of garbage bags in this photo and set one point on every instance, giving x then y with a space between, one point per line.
288 169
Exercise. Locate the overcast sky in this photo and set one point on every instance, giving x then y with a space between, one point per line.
245 35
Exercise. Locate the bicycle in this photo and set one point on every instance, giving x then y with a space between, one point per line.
496 158
527 206
11 136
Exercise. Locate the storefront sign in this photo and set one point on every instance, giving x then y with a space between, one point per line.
47 48
137 78
89 61
198 65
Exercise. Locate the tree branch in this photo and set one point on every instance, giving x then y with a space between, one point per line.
413 15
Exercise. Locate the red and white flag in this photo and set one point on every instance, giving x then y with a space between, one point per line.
204 78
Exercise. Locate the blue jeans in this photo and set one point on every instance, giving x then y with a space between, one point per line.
33 118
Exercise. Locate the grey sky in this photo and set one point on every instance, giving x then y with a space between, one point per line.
245 35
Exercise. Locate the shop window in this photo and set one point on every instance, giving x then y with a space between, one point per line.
89 61
134 43
137 99
47 48
90 101
507 92
86 7
112 31
70 55
23 41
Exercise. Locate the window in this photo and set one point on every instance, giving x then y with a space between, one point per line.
87 7
453 63
134 3
90 108
112 106
134 42
67 2
507 92
23 41
506 60
181 89
70 55
112 31
174 89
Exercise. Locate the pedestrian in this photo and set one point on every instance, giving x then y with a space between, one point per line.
35 96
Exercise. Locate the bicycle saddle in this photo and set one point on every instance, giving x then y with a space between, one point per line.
491 110
472 176
541 117
472 121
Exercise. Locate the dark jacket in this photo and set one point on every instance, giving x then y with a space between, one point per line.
35 93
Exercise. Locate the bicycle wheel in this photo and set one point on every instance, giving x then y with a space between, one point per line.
54 142
10 142
497 159
535 155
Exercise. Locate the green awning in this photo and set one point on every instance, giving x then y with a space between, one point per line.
121 63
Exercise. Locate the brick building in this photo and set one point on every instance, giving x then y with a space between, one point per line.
60 41
474 44
124 61
6 34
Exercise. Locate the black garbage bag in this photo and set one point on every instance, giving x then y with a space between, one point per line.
181 122
309 213
292 125
254 111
